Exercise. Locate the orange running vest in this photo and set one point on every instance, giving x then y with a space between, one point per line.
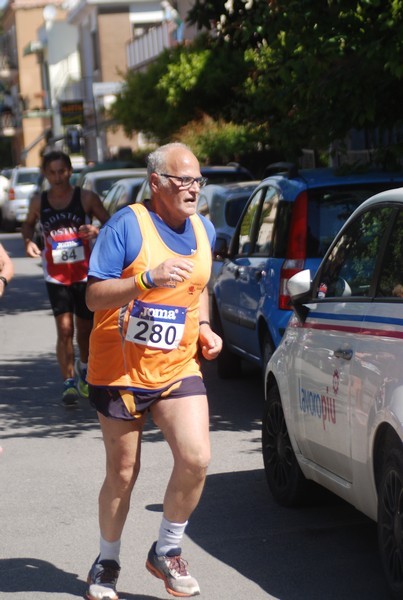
153 341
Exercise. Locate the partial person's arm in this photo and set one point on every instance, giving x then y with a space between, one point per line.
6 269
103 294
210 342
95 209
28 227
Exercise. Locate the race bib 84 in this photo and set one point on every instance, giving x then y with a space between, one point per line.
68 251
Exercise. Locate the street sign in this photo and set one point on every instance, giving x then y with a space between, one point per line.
72 112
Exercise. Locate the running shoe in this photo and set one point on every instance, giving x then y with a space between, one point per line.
82 384
172 569
102 580
70 393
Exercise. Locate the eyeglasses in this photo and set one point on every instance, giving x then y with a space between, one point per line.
186 182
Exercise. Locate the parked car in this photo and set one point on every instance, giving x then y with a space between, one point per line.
107 165
334 387
101 181
287 226
223 204
5 175
23 182
122 193
215 174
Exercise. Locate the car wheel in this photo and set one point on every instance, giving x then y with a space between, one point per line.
390 521
284 476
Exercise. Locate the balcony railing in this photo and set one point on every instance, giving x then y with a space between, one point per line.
148 46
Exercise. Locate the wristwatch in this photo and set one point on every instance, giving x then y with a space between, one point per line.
4 280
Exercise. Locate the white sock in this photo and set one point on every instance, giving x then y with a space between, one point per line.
170 536
109 550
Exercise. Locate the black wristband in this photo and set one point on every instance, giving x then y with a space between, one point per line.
4 280
204 323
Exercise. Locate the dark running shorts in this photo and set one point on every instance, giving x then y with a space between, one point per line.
69 299
129 405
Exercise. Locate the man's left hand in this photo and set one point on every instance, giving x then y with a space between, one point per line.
210 342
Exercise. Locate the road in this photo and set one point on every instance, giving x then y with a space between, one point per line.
239 543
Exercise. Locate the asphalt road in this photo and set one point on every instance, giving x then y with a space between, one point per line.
239 543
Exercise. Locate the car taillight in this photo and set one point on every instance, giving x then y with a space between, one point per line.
296 250
11 194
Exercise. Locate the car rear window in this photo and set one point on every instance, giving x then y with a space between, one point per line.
329 208
27 178
103 185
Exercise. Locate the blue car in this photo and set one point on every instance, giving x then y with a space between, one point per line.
287 226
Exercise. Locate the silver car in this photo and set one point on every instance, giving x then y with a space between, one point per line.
23 182
100 182
334 386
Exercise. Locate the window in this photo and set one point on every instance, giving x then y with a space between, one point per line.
249 223
27 178
350 267
256 230
234 208
391 275
328 210
267 221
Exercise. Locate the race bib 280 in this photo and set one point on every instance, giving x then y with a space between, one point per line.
156 325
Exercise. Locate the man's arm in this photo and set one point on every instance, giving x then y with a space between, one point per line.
28 227
210 342
6 269
94 209
93 206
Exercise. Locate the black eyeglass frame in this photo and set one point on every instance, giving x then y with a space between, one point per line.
186 182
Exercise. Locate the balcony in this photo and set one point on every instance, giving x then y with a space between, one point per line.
145 48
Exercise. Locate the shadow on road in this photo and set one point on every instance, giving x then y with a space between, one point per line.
332 556
33 575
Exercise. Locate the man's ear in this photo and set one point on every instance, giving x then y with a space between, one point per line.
154 182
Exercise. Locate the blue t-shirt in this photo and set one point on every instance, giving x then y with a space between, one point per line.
119 242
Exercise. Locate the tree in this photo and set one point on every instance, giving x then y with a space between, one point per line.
183 84
303 73
317 69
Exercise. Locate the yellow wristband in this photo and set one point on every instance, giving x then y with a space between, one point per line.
139 282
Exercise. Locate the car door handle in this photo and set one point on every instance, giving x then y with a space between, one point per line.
345 354
239 272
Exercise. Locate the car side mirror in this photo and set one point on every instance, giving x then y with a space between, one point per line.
300 289
220 248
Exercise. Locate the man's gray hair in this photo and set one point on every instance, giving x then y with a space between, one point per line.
156 160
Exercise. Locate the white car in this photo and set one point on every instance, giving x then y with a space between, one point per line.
23 182
334 386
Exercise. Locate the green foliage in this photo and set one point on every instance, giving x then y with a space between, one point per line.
219 141
301 73
180 86
316 69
